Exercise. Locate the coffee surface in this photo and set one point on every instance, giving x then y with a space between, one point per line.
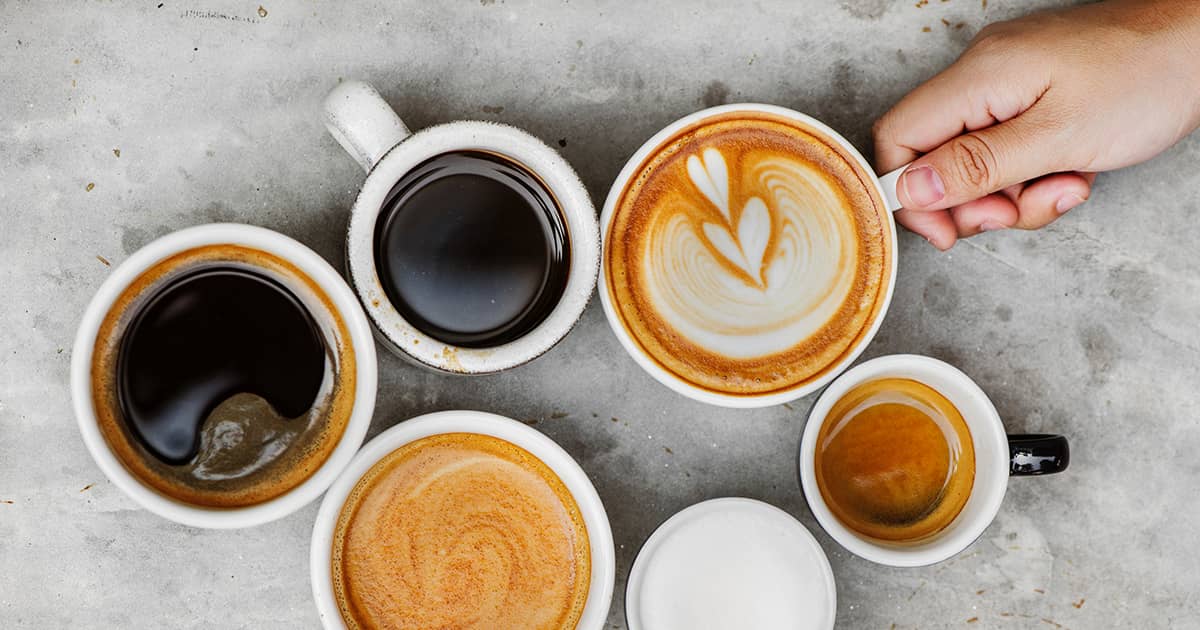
212 333
460 531
471 249
895 460
748 254
223 376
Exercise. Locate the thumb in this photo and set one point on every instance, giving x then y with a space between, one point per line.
982 162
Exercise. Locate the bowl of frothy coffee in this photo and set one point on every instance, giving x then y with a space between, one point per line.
749 255
223 376
462 519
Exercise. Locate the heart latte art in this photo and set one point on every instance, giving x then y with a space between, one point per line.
748 254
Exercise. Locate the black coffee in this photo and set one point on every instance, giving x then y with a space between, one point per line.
210 334
471 249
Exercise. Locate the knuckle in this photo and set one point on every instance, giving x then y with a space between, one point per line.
974 162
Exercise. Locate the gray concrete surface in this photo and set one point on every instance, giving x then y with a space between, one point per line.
1087 328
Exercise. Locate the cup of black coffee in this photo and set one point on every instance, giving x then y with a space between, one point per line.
472 245
223 376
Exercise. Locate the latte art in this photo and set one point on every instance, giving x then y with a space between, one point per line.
768 284
748 255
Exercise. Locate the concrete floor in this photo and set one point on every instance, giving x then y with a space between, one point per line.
1087 328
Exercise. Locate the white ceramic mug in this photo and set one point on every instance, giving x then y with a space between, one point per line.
997 457
885 186
603 556
312 265
367 127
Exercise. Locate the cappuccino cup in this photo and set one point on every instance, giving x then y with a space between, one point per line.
904 460
749 255
223 375
462 519
473 246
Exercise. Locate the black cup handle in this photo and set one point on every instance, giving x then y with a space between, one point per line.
1037 454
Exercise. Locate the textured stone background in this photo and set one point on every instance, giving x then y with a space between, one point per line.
1086 328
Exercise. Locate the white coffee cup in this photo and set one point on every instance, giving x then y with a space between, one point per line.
310 264
367 127
997 457
603 556
886 188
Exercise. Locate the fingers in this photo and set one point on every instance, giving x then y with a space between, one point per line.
982 88
937 227
1041 202
992 212
981 162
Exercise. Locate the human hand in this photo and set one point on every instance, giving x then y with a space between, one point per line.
1013 133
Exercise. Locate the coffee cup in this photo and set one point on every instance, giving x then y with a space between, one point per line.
473 246
493 516
289 359
991 455
749 255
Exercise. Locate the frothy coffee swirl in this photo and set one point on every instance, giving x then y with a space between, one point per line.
748 255
461 530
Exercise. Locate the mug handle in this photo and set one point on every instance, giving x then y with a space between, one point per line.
362 122
1037 454
889 183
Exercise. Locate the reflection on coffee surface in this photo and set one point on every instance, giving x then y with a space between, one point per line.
460 530
894 460
222 376
471 249
748 254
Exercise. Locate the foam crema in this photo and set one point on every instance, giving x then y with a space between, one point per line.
748 254
460 530
247 452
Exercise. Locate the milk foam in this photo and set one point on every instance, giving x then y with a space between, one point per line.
754 280
735 568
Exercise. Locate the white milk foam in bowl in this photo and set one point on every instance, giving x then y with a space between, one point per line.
731 563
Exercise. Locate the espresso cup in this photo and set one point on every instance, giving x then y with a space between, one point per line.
996 457
396 160
448 549
281 464
749 255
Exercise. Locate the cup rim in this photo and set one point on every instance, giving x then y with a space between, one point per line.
991 488
667 528
678 383
560 180
600 540
314 267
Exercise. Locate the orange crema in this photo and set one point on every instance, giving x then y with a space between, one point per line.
460 530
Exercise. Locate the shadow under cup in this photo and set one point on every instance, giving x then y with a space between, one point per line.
224 377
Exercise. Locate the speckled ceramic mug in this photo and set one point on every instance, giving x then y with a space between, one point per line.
371 132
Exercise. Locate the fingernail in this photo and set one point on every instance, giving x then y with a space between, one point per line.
992 226
1067 201
923 186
